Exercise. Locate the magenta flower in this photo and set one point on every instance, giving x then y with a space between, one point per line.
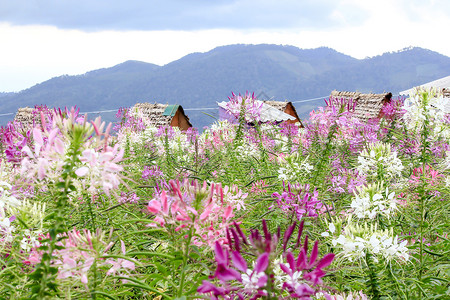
252 281
299 278
298 200
128 198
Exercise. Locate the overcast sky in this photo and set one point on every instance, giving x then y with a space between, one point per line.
41 39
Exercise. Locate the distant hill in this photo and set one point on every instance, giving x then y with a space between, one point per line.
200 79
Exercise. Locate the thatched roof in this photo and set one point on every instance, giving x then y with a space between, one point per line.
368 106
281 106
25 116
156 114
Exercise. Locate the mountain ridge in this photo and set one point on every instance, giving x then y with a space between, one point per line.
201 79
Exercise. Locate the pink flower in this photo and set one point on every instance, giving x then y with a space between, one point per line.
100 168
120 264
189 205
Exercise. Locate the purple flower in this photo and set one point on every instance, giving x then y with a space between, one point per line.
128 198
245 106
299 200
153 171
300 277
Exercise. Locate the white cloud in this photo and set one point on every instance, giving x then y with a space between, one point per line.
32 54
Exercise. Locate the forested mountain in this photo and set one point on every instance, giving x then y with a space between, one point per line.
200 79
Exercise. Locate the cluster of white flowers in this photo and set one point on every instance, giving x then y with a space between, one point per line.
6 199
356 240
370 201
292 169
427 103
247 150
379 157
30 212
30 239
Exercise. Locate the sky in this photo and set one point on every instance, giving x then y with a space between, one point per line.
41 39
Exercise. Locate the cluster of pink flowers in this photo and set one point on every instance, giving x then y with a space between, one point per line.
259 187
152 172
188 205
45 157
78 252
127 121
128 198
14 137
246 105
101 169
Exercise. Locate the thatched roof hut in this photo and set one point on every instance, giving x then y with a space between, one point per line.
156 114
25 116
286 107
368 106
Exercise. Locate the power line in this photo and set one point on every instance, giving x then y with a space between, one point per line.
201 108
307 100
195 108
99 111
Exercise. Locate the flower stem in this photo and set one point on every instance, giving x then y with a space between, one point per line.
185 259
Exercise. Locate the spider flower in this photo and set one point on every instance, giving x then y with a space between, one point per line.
380 161
371 201
299 278
78 251
299 200
207 210
355 240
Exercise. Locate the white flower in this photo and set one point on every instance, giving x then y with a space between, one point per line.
250 279
331 228
370 201
5 196
292 169
378 158
356 240
427 104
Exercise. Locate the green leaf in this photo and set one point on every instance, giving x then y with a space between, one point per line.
142 285
135 220
122 257
103 294
148 253
145 231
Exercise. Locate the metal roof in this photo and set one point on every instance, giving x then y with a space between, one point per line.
268 113
438 84
170 110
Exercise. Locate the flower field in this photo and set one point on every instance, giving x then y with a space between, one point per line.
339 209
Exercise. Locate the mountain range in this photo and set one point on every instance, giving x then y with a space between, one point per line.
199 80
